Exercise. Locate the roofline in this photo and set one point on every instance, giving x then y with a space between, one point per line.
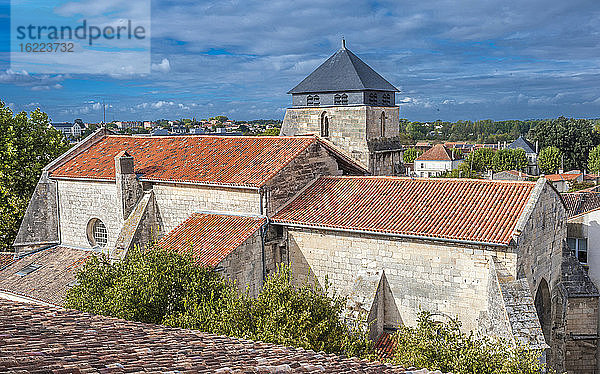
207 184
341 153
292 92
583 214
464 180
530 206
12 296
84 144
398 235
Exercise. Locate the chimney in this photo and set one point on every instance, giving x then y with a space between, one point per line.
537 147
129 189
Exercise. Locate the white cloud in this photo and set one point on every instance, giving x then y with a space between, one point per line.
164 66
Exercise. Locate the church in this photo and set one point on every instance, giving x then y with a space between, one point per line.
324 198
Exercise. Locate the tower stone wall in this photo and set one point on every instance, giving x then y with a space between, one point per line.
349 127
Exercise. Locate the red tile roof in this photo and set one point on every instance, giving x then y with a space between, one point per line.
436 153
384 346
6 258
40 339
455 209
211 237
563 177
228 160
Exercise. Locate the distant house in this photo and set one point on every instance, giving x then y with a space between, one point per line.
511 175
437 160
530 152
69 130
563 181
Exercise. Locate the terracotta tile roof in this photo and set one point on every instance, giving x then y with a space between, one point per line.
228 160
581 202
50 282
436 153
35 338
211 237
384 346
455 209
562 177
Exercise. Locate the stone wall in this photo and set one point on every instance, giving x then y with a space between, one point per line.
350 127
176 202
40 223
439 277
81 201
305 168
244 265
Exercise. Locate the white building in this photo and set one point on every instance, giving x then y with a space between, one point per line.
437 160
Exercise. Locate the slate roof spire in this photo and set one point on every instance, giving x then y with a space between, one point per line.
343 71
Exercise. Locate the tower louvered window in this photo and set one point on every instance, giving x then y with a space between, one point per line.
372 98
344 99
337 99
309 100
386 99
316 101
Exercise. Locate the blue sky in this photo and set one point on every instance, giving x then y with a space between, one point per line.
470 59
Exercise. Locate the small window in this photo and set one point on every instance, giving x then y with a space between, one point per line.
372 98
28 269
309 100
337 99
324 125
386 99
316 100
97 233
344 99
578 247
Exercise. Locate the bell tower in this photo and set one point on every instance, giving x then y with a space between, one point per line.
347 102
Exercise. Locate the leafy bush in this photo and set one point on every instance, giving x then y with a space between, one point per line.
410 155
165 287
549 160
442 346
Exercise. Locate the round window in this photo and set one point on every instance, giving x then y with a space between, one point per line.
97 234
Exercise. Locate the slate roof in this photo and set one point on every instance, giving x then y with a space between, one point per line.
454 209
211 237
438 152
581 202
523 144
35 338
51 281
343 71
237 161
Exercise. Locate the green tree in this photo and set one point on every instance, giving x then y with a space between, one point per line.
160 286
27 144
574 137
549 159
509 159
480 160
270 132
438 345
594 160
410 155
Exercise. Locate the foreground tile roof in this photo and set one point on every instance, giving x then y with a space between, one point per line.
48 339
6 258
51 280
456 209
438 152
228 160
581 202
211 237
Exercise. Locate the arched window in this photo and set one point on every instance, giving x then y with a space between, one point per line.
382 124
543 306
344 99
316 101
97 233
386 99
309 100
324 125
337 99
372 98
